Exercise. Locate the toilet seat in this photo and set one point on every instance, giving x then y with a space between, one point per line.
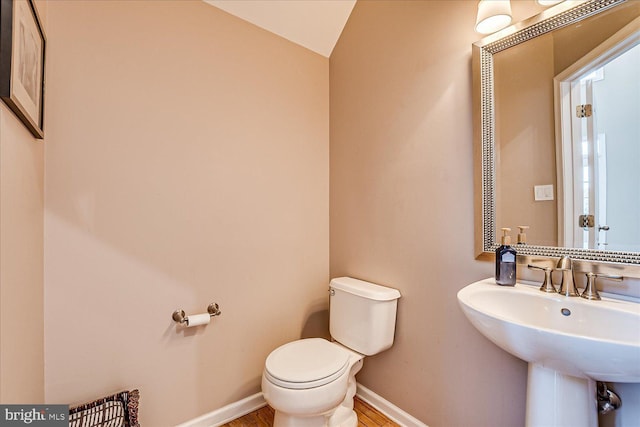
306 363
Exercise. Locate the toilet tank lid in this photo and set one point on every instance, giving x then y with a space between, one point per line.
365 289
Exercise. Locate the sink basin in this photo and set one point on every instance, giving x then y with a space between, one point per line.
593 339
569 343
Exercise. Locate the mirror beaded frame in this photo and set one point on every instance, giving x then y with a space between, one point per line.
567 13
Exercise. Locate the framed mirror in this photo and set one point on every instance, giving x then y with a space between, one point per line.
557 134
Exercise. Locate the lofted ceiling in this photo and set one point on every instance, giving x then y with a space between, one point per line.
314 24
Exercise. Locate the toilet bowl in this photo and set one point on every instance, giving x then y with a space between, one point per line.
307 381
311 382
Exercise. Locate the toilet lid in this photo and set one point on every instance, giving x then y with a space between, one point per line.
306 363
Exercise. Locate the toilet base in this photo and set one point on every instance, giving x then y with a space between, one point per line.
341 416
344 415
345 418
284 420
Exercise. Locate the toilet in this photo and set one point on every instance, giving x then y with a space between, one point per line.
311 382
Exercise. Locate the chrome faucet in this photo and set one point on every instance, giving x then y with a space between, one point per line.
568 284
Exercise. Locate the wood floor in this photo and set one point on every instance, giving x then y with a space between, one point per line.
368 416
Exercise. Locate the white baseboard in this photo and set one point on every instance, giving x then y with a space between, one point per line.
227 413
387 408
249 404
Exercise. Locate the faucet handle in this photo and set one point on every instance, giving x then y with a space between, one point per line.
547 285
591 291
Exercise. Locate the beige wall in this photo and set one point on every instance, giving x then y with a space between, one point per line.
21 258
21 277
402 205
525 140
186 162
575 41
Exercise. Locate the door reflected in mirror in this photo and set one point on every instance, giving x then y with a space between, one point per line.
606 156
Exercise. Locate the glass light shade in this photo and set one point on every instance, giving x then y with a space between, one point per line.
549 2
493 15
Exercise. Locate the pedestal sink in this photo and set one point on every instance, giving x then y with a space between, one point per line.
569 342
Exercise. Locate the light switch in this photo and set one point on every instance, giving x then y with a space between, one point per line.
543 192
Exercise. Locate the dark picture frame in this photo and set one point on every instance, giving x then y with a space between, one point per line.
22 53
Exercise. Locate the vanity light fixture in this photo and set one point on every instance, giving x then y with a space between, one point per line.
493 15
549 2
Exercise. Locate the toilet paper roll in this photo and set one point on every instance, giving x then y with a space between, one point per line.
198 319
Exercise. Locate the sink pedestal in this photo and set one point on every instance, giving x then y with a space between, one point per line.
555 399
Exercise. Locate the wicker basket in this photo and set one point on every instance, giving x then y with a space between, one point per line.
117 410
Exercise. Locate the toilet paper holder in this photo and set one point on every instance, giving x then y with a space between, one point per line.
179 315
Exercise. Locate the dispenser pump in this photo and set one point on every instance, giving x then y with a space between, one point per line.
522 237
506 239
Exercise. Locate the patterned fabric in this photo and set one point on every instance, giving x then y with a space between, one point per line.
118 410
109 414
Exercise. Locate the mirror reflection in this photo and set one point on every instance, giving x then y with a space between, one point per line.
567 134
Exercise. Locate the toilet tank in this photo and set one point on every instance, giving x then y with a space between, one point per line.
362 315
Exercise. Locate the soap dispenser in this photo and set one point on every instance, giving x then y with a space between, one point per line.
522 237
506 261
